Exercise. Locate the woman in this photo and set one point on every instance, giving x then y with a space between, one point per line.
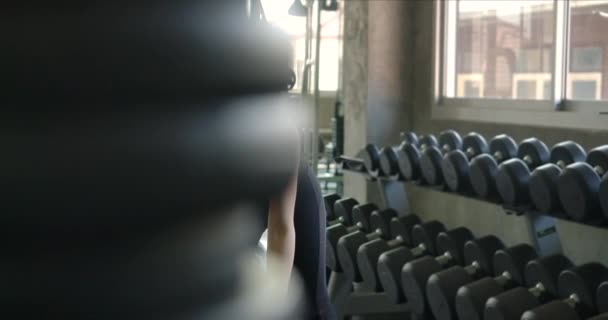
296 236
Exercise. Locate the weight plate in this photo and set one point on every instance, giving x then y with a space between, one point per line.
534 152
543 188
409 137
403 227
389 161
604 195
577 187
414 276
449 140
512 182
567 152
389 272
409 161
482 252
584 281
546 271
602 297
474 144
503 147
427 141
453 242
371 158
455 170
430 165
482 171
514 260
426 233
598 159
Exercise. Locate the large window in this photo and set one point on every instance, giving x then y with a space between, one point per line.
295 28
535 55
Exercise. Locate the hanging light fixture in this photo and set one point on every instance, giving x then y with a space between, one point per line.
298 9
331 6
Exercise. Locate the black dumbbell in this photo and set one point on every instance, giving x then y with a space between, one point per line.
415 274
455 165
370 155
409 137
578 186
348 245
509 266
578 286
361 215
442 286
513 174
389 156
329 201
391 262
342 211
541 277
604 195
409 157
543 180
483 168
421 236
430 160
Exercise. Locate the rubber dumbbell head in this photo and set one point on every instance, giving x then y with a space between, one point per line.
409 157
342 211
541 281
329 201
604 195
578 187
409 137
361 216
441 287
349 244
509 265
455 164
389 161
391 262
368 253
415 274
431 158
484 167
371 158
543 180
513 174
602 297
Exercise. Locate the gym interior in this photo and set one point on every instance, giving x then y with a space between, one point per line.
305 159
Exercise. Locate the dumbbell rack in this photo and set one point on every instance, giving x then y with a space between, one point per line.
358 300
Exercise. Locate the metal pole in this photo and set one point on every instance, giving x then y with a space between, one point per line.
315 144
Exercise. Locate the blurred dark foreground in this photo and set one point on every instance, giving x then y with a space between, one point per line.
135 137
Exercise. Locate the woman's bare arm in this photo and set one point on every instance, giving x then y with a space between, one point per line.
281 230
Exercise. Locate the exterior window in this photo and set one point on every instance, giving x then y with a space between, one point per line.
498 40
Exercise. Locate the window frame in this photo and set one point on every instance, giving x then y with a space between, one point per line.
558 112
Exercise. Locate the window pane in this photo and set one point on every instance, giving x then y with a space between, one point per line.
507 45
588 42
